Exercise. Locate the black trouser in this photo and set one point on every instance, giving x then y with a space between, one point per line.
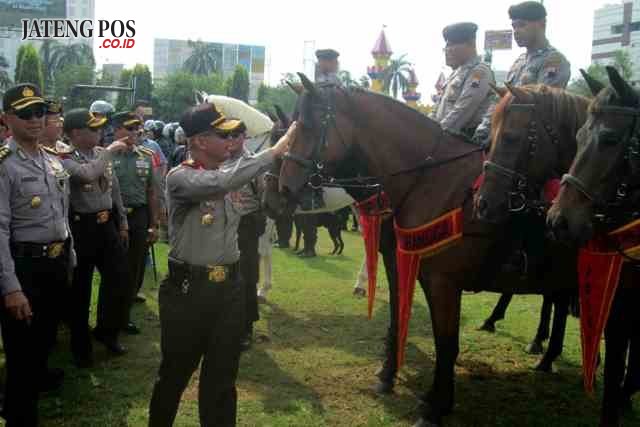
27 347
284 228
202 321
97 246
250 265
138 249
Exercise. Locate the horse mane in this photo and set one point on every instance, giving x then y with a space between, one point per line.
557 105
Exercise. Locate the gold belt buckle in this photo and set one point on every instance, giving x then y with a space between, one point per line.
129 211
217 273
102 217
54 250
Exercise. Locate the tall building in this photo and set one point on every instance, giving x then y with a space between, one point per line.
13 11
617 27
170 55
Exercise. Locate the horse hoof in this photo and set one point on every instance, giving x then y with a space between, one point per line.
534 348
384 387
544 367
488 327
423 422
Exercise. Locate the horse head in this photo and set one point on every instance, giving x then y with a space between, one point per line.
605 175
532 139
273 203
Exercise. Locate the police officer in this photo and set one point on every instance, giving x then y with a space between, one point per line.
327 67
35 251
201 305
52 133
541 63
252 226
466 91
139 186
99 239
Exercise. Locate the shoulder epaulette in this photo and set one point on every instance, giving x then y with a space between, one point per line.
188 163
4 153
147 151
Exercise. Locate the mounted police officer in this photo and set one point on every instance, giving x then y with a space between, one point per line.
35 251
99 239
541 63
466 91
139 187
327 67
201 304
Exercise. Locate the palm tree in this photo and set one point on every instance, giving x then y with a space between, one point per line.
72 54
5 80
47 55
203 58
396 76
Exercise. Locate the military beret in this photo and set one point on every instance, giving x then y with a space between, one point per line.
21 96
125 119
205 117
53 106
527 11
460 32
81 118
327 54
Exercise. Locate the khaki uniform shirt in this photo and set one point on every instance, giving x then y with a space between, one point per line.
203 220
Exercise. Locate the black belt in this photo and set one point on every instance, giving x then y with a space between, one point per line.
131 209
38 250
101 217
184 274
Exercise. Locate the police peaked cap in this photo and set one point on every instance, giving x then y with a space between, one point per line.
327 54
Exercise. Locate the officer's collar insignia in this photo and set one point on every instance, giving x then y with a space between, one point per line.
27 92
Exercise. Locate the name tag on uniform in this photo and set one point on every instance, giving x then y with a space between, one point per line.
141 164
29 179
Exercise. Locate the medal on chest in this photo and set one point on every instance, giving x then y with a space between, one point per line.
36 202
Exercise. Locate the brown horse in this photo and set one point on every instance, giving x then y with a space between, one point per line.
604 183
426 172
275 205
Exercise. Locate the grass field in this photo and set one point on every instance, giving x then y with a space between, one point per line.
317 362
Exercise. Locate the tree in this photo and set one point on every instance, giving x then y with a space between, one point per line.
72 54
365 82
621 61
19 56
30 66
5 80
395 78
47 56
203 59
345 79
177 91
144 85
65 78
281 95
239 84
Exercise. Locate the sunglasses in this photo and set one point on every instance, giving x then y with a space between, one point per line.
30 113
132 128
230 136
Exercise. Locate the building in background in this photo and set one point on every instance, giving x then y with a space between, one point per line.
169 56
113 71
617 27
13 11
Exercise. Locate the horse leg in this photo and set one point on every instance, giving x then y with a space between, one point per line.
560 314
298 223
444 305
535 346
616 343
341 242
498 313
387 373
332 233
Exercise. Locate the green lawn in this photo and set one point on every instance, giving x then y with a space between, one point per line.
317 362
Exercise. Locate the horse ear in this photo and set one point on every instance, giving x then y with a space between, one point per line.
308 84
282 116
197 96
516 92
594 85
272 116
294 87
623 89
500 91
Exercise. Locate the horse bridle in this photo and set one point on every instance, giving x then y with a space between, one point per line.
631 160
518 197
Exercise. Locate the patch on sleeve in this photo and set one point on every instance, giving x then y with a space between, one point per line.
552 64
475 78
